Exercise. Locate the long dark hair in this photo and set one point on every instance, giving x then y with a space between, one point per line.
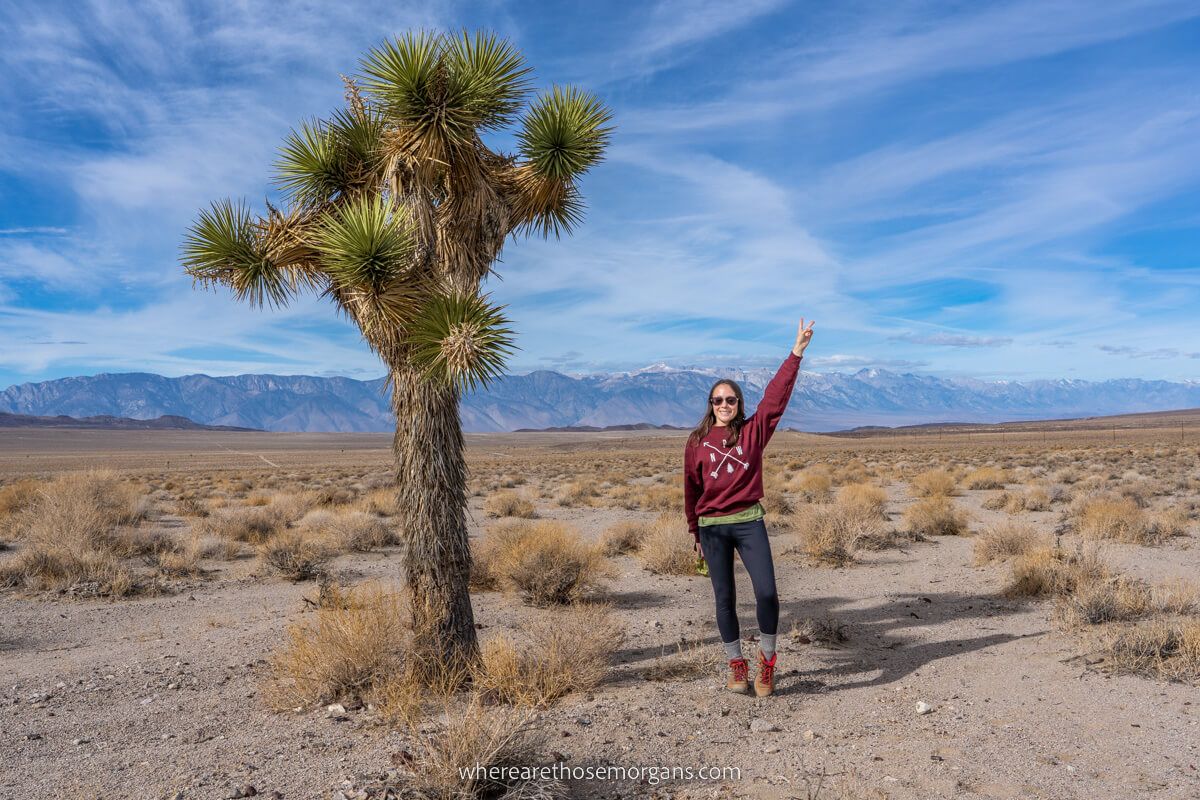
710 418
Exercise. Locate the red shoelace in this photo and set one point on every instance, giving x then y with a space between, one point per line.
741 670
766 669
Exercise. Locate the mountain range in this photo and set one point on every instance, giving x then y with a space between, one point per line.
656 395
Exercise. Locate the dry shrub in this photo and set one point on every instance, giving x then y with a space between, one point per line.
1045 571
872 499
191 506
328 496
547 562
660 498
1001 501
569 653
344 653
353 530
257 500
1166 648
933 483
253 525
1038 498
622 537
1167 523
509 504
1004 541
986 478
453 763
667 548
16 497
831 533
814 485
577 493
172 559
72 539
1111 517
1115 598
935 515
296 556
777 503
380 502
690 660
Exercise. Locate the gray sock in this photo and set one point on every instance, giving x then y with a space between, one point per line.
733 649
766 643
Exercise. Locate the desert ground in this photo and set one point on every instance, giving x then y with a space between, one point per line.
992 614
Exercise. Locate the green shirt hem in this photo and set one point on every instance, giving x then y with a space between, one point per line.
750 514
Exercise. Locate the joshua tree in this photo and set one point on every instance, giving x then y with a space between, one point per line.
397 211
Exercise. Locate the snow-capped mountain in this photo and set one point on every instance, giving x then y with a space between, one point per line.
659 395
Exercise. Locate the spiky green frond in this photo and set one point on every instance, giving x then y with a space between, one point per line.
224 247
446 89
460 340
327 159
365 245
565 133
360 134
490 77
309 167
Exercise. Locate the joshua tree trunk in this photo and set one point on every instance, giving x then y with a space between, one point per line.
432 477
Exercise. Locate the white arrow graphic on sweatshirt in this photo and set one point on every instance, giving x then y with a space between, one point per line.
725 456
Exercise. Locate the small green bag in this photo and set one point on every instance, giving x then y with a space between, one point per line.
701 566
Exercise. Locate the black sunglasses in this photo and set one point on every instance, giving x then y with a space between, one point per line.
729 400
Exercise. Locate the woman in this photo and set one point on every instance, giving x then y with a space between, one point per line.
722 486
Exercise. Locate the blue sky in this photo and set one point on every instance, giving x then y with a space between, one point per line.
1002 190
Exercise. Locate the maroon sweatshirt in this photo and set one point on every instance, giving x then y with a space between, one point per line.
720 480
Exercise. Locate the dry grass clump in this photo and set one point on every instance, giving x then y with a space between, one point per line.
380 502
351 530
690 660
16 497
297 556
191 506
1167 648
1109 517
344 653
569 653
577 493
667 548
72 536
454 763
872 499
1045 571
777 503
509 504
814 485
935 515
660 498
1004 541
986 478
254 525
623 537
933 483
547 562
831 533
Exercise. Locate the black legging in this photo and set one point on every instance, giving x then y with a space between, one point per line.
750 541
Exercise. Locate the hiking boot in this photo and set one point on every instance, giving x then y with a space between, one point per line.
739 676
764 682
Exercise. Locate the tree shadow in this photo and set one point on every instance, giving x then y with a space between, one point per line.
876 643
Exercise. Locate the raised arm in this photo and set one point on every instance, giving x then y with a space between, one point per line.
779 391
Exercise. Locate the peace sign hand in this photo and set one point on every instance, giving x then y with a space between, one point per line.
803 337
